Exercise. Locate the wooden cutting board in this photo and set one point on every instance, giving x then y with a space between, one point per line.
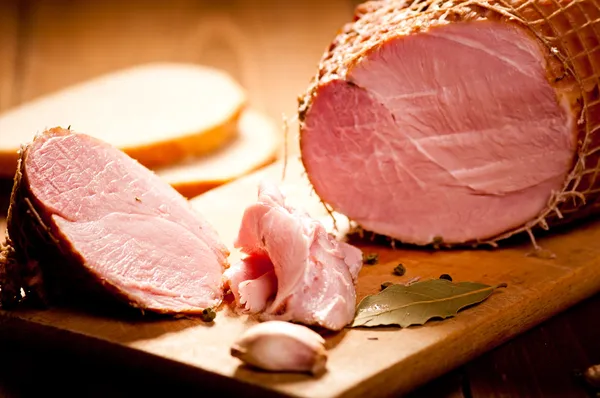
362 362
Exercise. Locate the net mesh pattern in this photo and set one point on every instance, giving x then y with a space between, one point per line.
568 29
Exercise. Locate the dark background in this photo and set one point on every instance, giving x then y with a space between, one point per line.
272 48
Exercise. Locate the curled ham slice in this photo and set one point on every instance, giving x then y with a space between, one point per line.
293 269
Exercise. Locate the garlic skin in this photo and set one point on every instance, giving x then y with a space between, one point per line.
281 346
592 376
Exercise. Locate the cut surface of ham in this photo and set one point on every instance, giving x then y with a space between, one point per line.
443 121
99 223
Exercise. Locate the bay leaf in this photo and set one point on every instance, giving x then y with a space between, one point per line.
419 302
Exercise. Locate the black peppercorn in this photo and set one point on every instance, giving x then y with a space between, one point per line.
371 258
208 315
399 270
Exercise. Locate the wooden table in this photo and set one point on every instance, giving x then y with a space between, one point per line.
272 47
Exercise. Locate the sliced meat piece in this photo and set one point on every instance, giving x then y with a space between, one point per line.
101 225
252 282
315 274
452 121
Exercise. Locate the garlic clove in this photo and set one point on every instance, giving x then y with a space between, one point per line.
282 347
592 376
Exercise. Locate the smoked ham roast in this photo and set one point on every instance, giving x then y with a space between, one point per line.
458 122
88 221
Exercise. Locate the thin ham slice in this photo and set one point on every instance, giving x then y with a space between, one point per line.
293 270
253 282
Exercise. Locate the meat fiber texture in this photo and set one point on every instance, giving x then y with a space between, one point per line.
293 270
86 220
458 122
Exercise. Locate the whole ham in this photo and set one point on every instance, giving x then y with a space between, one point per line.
87 221
458 122
293 269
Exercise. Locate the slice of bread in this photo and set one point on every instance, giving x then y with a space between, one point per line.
157 113
257 144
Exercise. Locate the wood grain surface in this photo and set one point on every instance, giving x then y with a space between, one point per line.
273 48
9 22
373 361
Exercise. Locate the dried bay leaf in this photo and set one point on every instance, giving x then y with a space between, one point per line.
419 302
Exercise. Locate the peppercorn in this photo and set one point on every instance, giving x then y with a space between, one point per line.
208 315
399 270
370 258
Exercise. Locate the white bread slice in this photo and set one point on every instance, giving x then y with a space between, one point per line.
157 113
257 144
